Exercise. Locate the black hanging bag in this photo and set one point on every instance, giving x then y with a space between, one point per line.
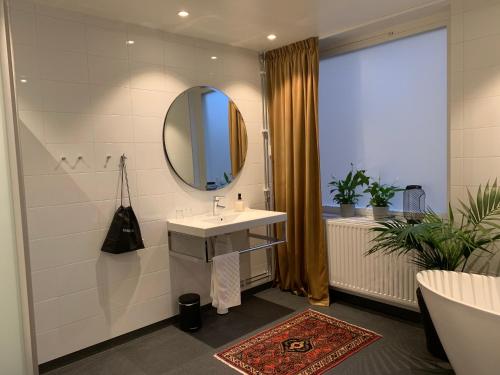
124 234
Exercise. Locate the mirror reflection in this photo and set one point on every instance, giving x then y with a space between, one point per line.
205 138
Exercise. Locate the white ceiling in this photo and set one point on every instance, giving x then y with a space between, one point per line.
245 23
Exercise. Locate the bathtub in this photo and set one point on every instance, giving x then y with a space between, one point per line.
465 308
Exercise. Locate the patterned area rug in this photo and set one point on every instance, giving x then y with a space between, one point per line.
309 343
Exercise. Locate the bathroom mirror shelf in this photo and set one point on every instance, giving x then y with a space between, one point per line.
205 138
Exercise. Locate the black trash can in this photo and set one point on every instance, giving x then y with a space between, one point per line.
189 312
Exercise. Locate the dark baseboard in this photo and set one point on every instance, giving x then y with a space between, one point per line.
380 307
122 339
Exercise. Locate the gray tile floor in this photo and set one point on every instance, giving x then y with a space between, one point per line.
171 351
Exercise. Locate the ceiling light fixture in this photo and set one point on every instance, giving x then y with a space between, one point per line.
130 42
214 57
183 14
271 37
23 80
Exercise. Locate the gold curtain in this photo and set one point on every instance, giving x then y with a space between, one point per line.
237 139
292 76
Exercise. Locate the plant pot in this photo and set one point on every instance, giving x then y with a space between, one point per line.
380 213
432 339
347 210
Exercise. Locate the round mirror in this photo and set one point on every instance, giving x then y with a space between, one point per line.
205 138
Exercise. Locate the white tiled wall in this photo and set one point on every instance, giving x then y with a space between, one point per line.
87 93
475 94
475 98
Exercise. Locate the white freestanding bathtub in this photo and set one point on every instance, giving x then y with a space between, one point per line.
465 309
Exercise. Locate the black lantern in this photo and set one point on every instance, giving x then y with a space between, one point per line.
414 204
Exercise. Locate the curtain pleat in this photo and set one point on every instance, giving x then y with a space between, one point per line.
292 76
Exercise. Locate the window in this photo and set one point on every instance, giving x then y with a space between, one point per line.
384 109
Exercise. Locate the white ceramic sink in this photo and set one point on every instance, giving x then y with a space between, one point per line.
208 225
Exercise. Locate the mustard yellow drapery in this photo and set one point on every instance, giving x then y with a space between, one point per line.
292 76
237 139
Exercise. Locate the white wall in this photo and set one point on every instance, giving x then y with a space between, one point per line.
475 97
12 357
88 93
384 109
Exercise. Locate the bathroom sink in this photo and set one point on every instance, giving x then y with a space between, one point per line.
208 225
222 218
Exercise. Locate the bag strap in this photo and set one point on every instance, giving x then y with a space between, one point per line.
124 179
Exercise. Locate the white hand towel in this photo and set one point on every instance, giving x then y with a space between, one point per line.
225 286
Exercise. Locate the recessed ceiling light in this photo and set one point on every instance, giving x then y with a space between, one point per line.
130 42
23 80
214 57
271 37
183 13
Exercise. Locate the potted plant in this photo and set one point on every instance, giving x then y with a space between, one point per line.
443 243
345 190
381 196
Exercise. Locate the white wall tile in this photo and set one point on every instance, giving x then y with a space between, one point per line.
477 171
482 83
113 128
68 127
88 93
155 259
150 156
60 34
482 22
26 62
178 80
482 112
178 55
48 346
147 47
78 306
151 103
30 95
59 251
45 285
115 151
147 76
112 269
49 190
79 157
148 129
108 70
76 277
25 5
60 220
47 316
154 182
158 207
106 42
108 188
110 100
65 97
152 285
482 142
154 233
60 65
479 54
83 333
23 27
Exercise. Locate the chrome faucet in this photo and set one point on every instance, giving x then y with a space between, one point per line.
216 204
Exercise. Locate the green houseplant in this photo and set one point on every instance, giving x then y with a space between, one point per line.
444 243
344 190
381 196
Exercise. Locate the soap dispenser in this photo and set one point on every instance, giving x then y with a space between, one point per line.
239 205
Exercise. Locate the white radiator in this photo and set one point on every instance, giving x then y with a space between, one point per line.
386 278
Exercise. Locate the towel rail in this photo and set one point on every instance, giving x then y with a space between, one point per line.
271 242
